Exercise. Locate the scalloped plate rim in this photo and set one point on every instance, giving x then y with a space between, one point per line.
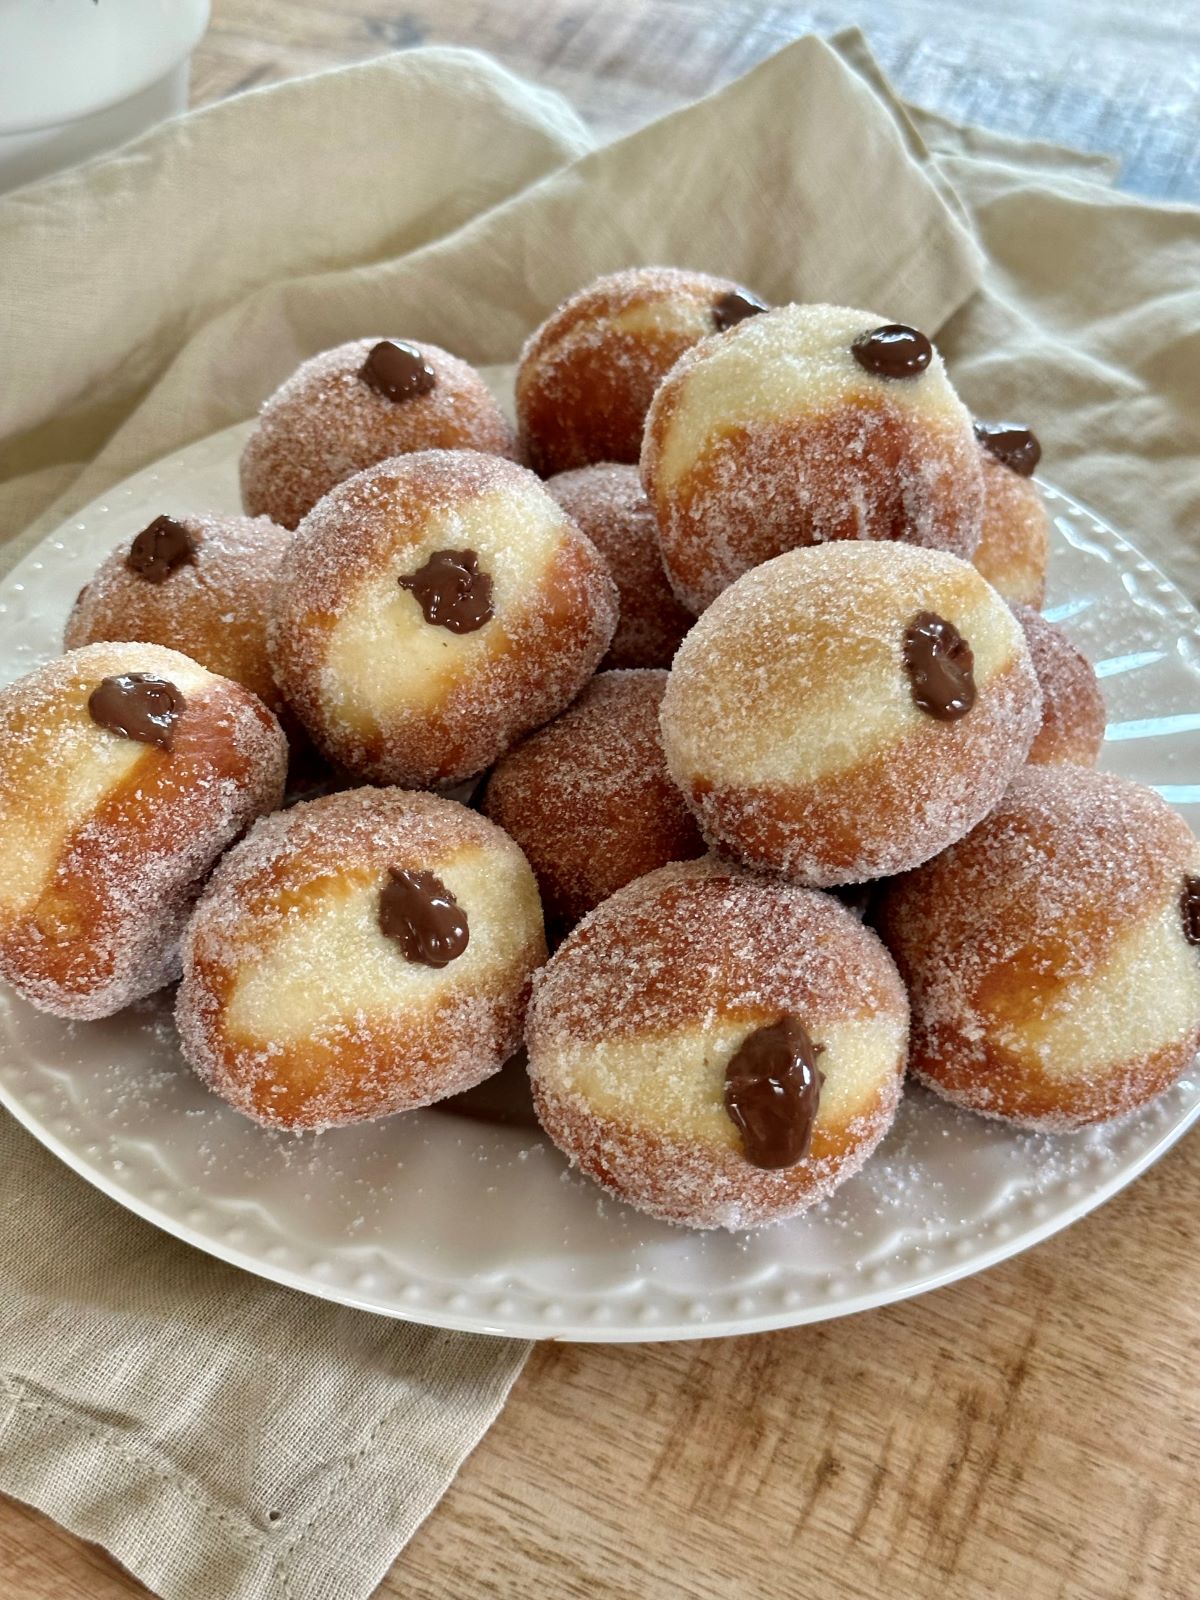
653 1326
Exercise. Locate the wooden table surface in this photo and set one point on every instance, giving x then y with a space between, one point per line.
1031 1434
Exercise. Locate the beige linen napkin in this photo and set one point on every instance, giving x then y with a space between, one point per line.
225 1439
152 1398
1087 325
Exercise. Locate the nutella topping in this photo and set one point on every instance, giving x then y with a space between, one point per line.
1009 442
1189 906
451 591
397 370
137 705
426 921
893 351
159 549
772 1089
735 307
941 667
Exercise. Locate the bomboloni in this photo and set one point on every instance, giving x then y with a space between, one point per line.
1073 715
199 584
125 771
589 798
806 424
1053 955
607 502
358 955
717 1049
433 609
346 409
1014 539
587 375
846 711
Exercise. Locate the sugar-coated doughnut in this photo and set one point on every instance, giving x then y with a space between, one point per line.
608 503
200 584
718 1049
1014 539
587 375
125 770
589 798
433 609
1073 715
1053 955
848 710
349 407
357 955
806 424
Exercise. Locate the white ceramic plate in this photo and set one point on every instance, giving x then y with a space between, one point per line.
443 1219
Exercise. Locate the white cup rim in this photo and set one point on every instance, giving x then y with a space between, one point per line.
186 21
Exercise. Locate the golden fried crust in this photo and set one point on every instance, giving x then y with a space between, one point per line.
997 1083
869 820
1073 714
789 721
102 926
708 933
589 798
672 1180
756 492
213 608
1014 540
484 689
588 373
1045 953
324 424
608 504
385 1034
773 436
638 1013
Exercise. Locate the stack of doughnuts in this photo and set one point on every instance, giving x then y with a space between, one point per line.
722 669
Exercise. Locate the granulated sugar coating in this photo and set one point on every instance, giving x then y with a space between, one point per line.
1014 539
212 606
107 840
325 423
303 1010
1073 715
637 1016
587 375
589 798
609 504
790 722
773 436
1047 957
394 697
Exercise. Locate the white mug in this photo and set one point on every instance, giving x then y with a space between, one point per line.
78 77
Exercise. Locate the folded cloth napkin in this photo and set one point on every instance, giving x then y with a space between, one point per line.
222 1437
177 1404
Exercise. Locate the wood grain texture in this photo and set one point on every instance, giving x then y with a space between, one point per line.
1031 1434
1097 74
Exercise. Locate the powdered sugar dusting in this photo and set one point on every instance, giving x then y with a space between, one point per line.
298 1008
1045 953
589 798
213 607
1014 538
101 928
385 693
772 436
789 721
587 374
635 1016
608 503
324 424
1073 715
